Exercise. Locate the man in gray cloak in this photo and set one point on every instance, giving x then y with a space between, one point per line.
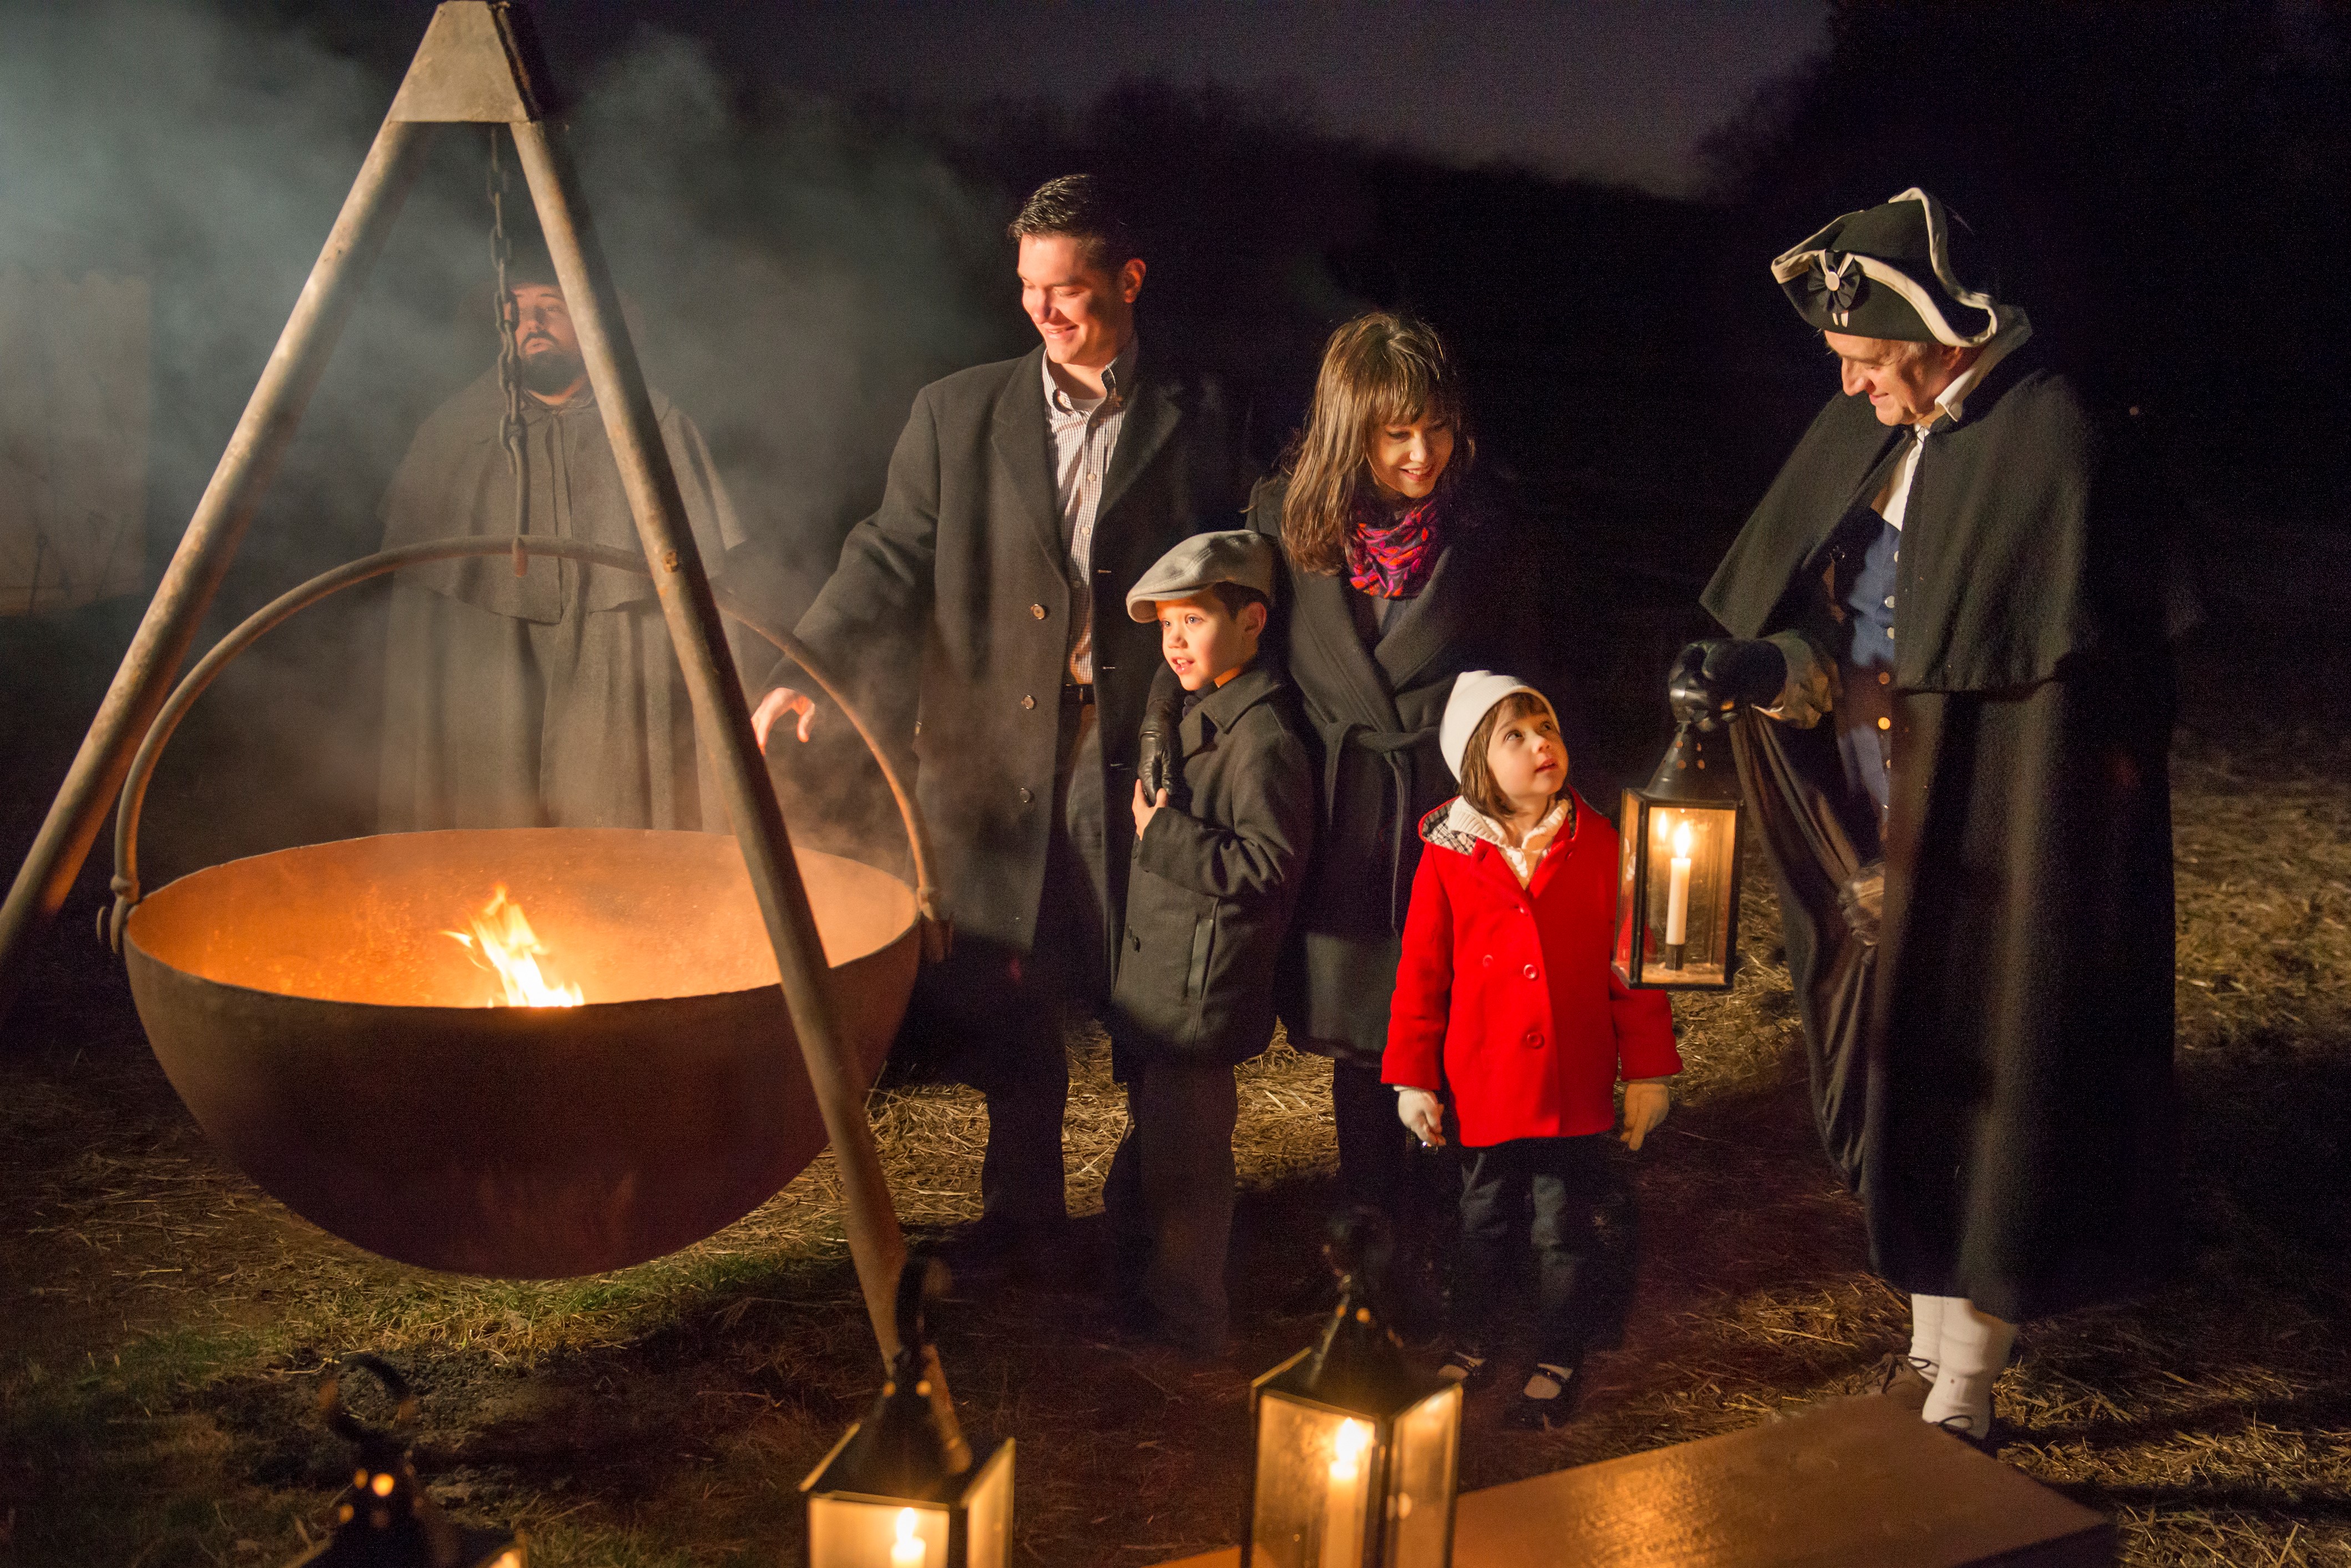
552 699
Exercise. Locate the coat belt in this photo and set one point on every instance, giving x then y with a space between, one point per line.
1400 749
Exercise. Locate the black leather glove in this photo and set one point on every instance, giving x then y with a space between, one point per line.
1162 748
1713 677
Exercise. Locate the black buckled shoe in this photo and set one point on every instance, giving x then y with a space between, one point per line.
1530 1412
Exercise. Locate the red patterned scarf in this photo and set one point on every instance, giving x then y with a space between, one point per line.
1391 554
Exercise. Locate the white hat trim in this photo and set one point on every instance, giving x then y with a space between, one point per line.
1938 248
1476 689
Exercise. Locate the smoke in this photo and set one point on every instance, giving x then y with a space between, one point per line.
793 272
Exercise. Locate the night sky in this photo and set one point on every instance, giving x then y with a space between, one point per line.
1606 88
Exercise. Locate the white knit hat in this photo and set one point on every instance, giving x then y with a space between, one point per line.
1475 693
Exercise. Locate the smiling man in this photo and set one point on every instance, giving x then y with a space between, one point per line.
551 699
978 615
1953 606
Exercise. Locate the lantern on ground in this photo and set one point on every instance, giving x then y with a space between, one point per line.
900 1489
385 1518
1678 858
1356 1452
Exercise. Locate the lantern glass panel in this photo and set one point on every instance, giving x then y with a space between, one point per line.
1317 1474
1685 907
875 1532
1427 1436
988 1512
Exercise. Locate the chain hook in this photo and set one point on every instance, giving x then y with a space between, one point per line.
509 320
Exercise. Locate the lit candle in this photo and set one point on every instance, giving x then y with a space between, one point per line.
1342 1528
1678 892
908 1552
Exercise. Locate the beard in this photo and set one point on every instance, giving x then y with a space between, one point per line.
550 370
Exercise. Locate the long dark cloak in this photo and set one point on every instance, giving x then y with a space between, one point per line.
553 699
2016 1125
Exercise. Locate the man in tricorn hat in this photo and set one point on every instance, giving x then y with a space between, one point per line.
552 699
1951 610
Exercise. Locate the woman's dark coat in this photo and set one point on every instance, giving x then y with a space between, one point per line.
2013 1124
1374 714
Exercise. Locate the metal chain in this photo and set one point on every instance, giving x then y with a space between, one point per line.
510 428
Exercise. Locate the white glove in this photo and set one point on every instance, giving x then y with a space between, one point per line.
1423 1116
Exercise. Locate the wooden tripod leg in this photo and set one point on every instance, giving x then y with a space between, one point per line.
720 717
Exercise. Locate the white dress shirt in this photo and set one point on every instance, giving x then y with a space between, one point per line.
1083 433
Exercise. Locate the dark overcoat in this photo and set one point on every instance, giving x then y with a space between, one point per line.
2014 1126
552 699
1215 876
949 612
1373 713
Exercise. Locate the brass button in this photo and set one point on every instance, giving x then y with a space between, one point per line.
1038 611
1026 797
1884 678
1885 723
1027 702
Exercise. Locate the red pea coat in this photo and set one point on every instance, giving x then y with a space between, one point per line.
1504 995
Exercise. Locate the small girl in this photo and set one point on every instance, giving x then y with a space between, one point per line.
1505 999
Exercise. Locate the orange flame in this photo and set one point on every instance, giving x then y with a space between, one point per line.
504 943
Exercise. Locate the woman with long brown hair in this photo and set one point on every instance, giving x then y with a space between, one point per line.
1404 571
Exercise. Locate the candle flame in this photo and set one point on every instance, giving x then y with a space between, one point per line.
1682 840
503 943
1348 1445
908 1549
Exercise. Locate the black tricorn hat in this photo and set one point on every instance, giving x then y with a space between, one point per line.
1885 272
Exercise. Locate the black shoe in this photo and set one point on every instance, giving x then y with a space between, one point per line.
1529 1413
1136 1320
1903 1378
1467 1365
1988 1445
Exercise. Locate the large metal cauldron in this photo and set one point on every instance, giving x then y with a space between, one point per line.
333 1041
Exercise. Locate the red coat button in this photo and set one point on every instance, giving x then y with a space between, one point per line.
1489 960
1534 1039
1531 972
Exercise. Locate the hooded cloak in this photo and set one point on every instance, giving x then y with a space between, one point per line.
2000 1088
553 699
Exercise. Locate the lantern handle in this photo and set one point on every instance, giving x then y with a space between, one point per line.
921 1277
340 1419
930 902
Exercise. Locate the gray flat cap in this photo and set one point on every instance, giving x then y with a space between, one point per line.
1241 556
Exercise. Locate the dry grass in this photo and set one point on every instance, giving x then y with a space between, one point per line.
160 1321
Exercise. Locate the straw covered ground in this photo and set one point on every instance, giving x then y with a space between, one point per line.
162 1323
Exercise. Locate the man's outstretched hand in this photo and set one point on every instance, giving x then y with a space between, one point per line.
783 699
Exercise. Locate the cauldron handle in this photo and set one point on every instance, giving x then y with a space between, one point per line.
929 902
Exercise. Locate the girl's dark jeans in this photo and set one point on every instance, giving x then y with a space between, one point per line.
1564 1196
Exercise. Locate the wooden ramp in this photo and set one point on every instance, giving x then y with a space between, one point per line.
1857 1483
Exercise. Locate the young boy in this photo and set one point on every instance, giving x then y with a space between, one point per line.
1218 857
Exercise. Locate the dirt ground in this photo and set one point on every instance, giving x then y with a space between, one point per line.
163 1323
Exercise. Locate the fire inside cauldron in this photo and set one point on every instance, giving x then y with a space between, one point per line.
328 1035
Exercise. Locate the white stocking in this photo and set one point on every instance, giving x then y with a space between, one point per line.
1926 1332
1974 1349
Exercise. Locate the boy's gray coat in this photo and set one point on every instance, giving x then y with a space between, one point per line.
1216 874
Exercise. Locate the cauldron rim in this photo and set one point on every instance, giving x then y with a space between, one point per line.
193 884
